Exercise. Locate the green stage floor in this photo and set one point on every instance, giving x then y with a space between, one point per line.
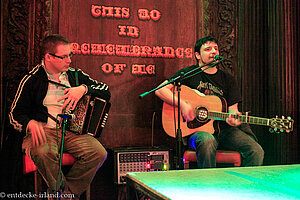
264 182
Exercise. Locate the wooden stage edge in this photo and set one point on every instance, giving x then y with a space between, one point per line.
261 182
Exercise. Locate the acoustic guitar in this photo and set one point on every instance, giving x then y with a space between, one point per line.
208 110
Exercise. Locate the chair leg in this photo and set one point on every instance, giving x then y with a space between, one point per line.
38 186
37 183
186 164
88 193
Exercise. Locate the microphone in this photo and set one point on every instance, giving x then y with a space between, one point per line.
218 57
68 116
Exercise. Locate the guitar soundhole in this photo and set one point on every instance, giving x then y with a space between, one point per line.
201 114
201 118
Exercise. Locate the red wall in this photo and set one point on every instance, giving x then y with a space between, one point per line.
173 25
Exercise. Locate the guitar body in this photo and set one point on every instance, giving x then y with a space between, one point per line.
210 103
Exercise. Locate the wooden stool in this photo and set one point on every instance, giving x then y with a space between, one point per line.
29 166
231 157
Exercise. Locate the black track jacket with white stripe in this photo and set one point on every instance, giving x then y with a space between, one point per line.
28 102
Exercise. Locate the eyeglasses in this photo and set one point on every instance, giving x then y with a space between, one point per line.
62 57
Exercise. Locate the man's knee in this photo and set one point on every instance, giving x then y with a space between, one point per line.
39 151
256 155
101 155
206 140
42 152
259 153
203 141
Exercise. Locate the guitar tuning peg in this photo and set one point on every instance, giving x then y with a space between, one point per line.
282 117
276 116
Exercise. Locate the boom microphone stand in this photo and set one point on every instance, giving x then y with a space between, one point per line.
177 81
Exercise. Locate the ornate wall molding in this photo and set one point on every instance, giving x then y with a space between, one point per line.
40 19
15 50
219 19
226 20
25 23
205 19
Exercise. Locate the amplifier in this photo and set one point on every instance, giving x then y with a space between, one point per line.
139 159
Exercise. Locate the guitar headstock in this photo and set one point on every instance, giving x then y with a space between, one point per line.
281 124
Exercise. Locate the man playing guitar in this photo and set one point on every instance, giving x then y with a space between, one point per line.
213 81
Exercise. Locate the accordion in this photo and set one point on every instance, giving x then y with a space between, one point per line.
91 114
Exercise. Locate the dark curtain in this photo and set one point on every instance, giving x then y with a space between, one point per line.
267 56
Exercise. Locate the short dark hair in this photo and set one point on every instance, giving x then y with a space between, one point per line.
202 41
50 43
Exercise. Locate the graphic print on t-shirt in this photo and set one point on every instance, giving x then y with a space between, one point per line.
208 88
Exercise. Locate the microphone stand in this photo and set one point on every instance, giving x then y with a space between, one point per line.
64 117
179 163
177 80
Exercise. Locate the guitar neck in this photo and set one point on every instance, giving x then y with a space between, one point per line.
243 118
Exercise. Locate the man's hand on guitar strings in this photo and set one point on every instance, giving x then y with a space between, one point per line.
72 96
187 111
232 121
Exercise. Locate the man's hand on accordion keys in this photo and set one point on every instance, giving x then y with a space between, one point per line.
72 96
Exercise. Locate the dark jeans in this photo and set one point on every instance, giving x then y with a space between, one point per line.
234 139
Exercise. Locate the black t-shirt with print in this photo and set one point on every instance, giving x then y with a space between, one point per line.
221 84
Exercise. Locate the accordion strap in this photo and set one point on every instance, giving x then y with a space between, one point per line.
47 80
76 77
51 116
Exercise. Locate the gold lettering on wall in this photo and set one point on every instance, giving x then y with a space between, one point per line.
129 50
98 11
145 14
130 31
